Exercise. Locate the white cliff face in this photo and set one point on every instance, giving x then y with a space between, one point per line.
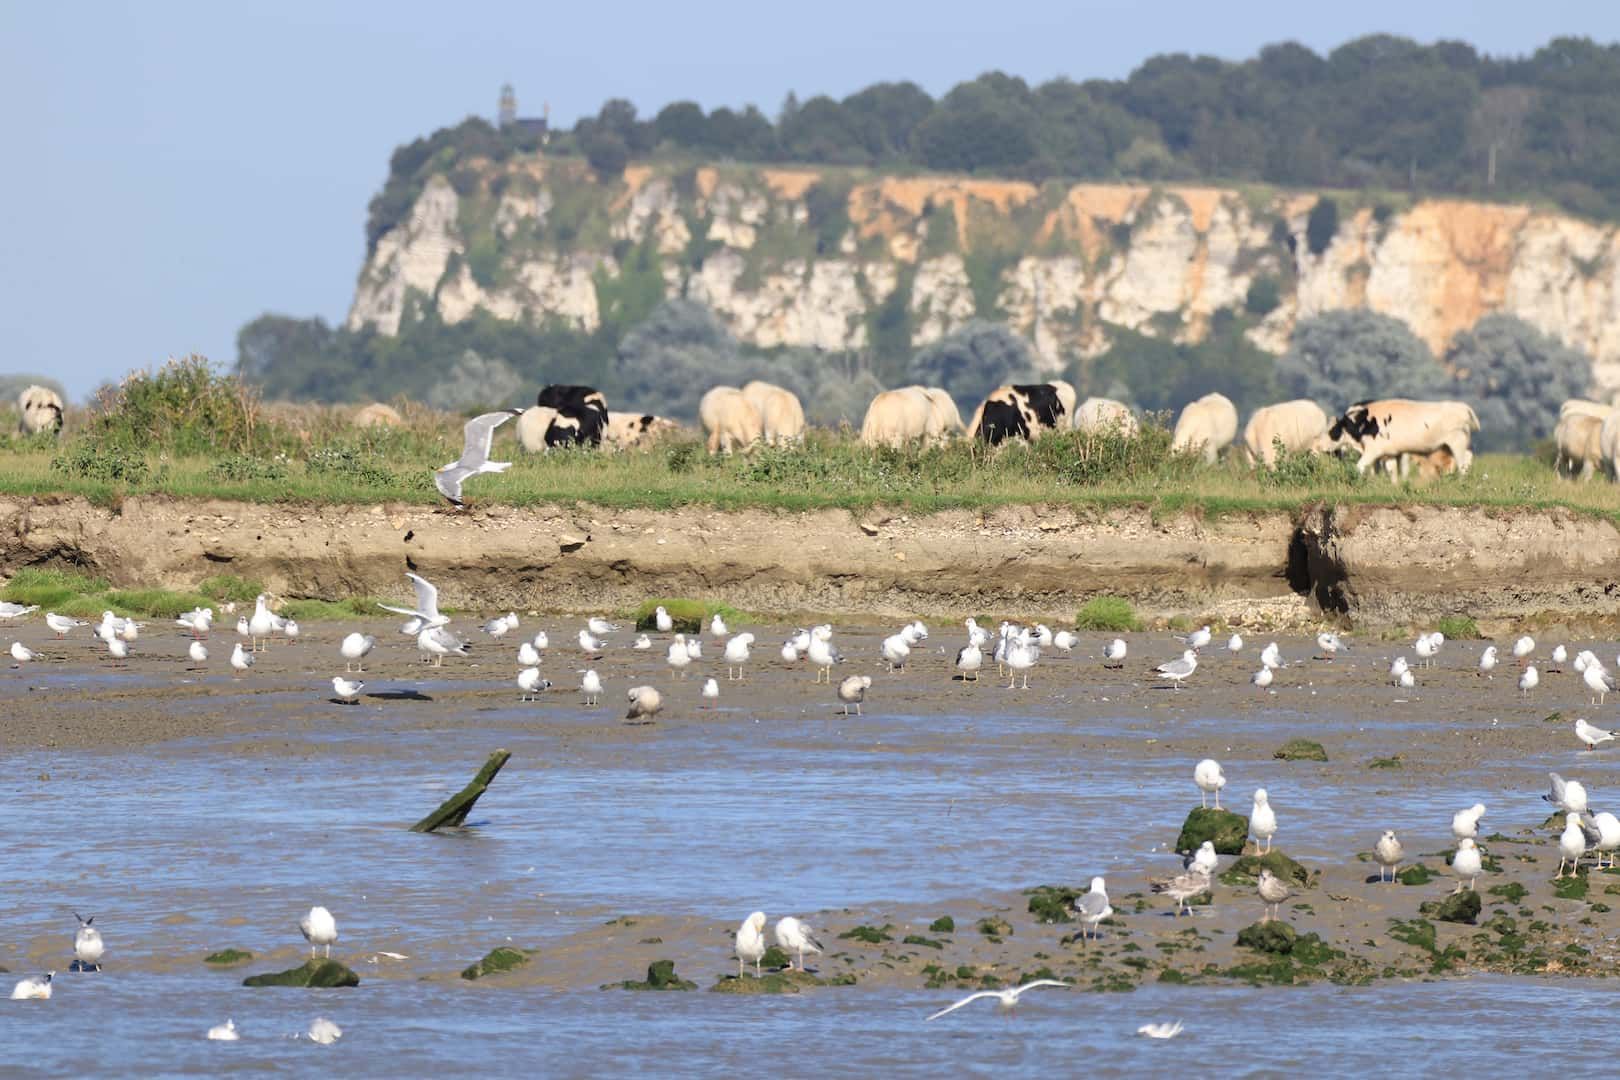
1161 262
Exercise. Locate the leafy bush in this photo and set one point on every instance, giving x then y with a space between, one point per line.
1110 613
1340 357
1516 377
230 588
1303 468
347 463
184 406
108 463
688 616
1459 628
1321 226
49 588
244 468
1263 296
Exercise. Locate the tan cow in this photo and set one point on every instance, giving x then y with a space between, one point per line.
780 414
1206 426
897 417
1300 425
377 415
532 427
730 419
1390 428
40 409
944 421
1580 444
1097 413
626 430
1582 407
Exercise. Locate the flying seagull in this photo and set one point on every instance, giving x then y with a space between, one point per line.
1005 998
427 605
479 433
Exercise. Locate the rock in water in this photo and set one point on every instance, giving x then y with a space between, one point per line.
1300 750
660 976
495 962
1226 830
315 972
1460 907
1246 871
1268 937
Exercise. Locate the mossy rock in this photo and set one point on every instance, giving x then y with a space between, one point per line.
1300 750
992 927
1416 875
1268 937
227 956
1396 762
1570 888
1458 907
777 982
942 925
872 935
1226 830
918 939
315 973
1051 903
1512 892
1171 975
660 976
775 957
495 962
1246 871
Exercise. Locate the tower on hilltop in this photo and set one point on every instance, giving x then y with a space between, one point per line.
507 115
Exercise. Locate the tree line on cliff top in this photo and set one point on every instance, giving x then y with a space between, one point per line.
1377 112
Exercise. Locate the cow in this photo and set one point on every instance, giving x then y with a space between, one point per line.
896 417
1023 411
534 426
1393 427
1205 426
1430 466
625 431
781 416
40 409
1581 407
582 414
377 415
1098 413
730 419
944 421
1579 437
1300 426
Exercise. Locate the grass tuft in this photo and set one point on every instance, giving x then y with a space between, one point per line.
1107 613
689 616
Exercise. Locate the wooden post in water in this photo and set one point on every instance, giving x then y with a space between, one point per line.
454 810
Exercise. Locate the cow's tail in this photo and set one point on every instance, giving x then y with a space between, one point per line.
1473 420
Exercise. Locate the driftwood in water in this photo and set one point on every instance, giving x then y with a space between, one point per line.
454 810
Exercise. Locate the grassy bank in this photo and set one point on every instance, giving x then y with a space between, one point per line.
85 596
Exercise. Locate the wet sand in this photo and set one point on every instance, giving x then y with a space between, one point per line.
1113 750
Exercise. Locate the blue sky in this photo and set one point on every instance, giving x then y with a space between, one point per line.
172 170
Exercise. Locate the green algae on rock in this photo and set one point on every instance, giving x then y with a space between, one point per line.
918 939
872 935
495 962
1226 830
1051 903
1416 875
995 929
775 957
942 925
1300 750
1457 907
660 976
1269 937
314 973
227 956
1246 871
777 982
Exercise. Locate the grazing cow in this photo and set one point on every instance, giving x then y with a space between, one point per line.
1580 444
40 409
1393 427
730 419
1023 411
1430 466
896 417
377 415
944 421
584 406
627 430
533 427
1581 407
1098 413
780 414
1300 425
1609 443
1205 426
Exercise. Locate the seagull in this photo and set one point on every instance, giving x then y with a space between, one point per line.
1529 679
976 633
795 936
1465 823
427 605
1160 1031
1487 660
242 629
1115 654
1559 655
1271 656
590 684
1210 779
1523 647
197 620
1330 644
542 640
717 626
500 625
1262 820
240 661
1092 907
1406 681
1590 735
198 653
347 690
130 631
262 623
530 682
1204 860
642 642
1397 668
225 1032
439 642
1182 888
1598 681
477 435
644 702
1567 795
662 620
1273 891
1178 670
528 655
1426 647
737 653
694 648
35 988
1262 678
595 624
1607 827
852 691
61 624
1388 852
1021 656
790 653
22 653
1234 644
87 944
323 1031
590 643
119 650
896 650
1197 639
1007 999
319 929
677 657
354 649
1571 846
750 942
1466 863
821 652
290 630
968 661
8 610
1584 659
711 690
1064 641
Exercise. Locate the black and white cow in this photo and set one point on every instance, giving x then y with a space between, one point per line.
582 415
1023 411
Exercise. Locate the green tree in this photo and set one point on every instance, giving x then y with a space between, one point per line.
669 361
1341 357
1516 378
607 154
1321 225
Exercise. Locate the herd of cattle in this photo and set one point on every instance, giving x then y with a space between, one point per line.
1395 434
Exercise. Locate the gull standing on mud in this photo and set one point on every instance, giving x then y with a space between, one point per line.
852 691
677 657
87 945
821 652
33 988
528 655
1210 779
750 942
198 652
738 650
642 642
1330 644
354 650
1273 891
1234 644
1487 660
1197 639
1466 863
1523 648
477 436
590 684
530 682
439 642
261 624
1597 680
590 644
1007 999
22 653
1271 657
717 626
1092 908
1182 888
796 936
644 703
1063 641
1021 656
1202 861
1114 654
1590 735
595 624
1388 852
319 929
1465 823
896 650
347 690
1571 846
711 690
662 620
1607 827
541 641
1179 670
1567 795
1262 678
1262 820
1529 679
969 659
240 661
119 651
61 624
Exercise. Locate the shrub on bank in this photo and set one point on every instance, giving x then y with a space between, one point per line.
1113 613
689 616
1459 628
